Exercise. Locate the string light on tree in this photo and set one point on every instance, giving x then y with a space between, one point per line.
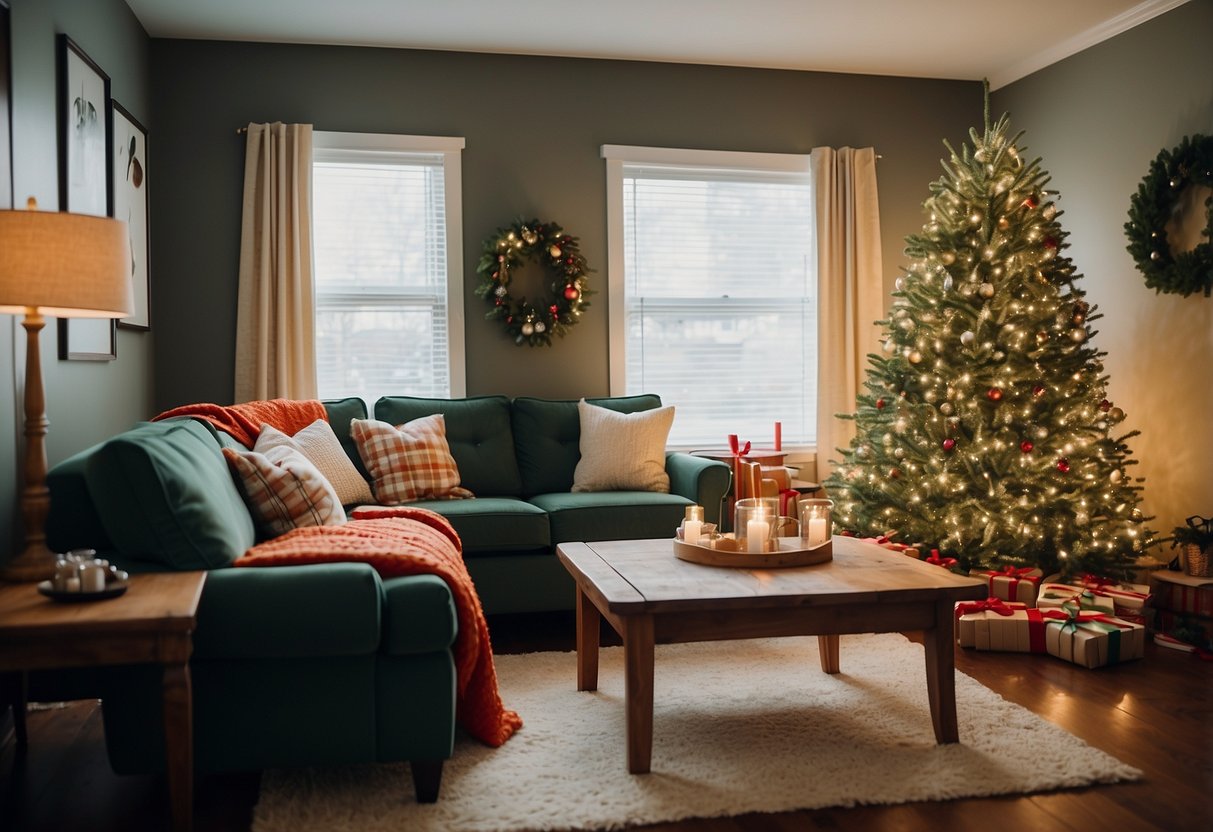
1002 421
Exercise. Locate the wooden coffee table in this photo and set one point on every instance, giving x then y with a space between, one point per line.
649 596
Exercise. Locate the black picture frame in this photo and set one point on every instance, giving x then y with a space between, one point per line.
84 180
129 195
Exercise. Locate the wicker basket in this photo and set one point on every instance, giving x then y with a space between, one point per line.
1197 561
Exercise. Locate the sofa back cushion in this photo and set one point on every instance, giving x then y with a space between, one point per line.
478 433
547 437
165 496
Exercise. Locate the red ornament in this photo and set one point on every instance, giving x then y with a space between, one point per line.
1038 390
994 394
498 302
894 473
880 403
1026 446
1063 465
495 275
509 319
1031 201
1050 242
949 444
1105 405
571 293
554 309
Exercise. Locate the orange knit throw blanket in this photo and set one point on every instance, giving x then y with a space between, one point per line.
411 541
243 421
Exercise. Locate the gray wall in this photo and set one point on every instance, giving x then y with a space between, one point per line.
533 127
86 401
1098 119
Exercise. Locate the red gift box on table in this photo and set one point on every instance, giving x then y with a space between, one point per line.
1011 583
1053 596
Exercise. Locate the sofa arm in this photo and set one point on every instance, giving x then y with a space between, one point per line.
321 609
704 481
419 616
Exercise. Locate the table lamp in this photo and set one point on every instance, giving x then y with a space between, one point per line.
66 266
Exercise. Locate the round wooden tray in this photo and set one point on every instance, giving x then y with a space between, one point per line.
788 555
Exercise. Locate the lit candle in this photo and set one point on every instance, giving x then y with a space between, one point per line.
691 530
817 531
756 532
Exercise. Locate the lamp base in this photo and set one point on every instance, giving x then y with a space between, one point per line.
36 563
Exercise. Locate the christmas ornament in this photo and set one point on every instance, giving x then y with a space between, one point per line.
994 394
1105 405
1038 390
1063 465
986 290
949 444
1152 207
1116 414
1078 335
967 338
1026 447
915 357
566 271
880 403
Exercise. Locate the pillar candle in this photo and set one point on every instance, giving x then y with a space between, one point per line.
756 532
817 531
691 530
779 436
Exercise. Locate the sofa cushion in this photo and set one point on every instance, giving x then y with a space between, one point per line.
419 615
547 436
479 433
283 489
622 451
73 522
611 515
494 524
165 496
320 445
409 462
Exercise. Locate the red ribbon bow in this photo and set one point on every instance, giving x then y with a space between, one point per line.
995 605
946 563
1095 582
738 450
1018 573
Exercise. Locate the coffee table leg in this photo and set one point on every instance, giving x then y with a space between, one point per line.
179 744
588 623
638 671
828 645
941 674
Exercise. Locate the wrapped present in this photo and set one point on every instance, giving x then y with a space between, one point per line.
1182 593
1192 629
1092 639
1053 596
1127 599
994 624
1012 583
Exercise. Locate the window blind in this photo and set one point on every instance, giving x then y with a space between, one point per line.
381 250
720 300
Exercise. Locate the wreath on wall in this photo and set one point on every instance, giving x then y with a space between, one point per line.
1191 163
534 322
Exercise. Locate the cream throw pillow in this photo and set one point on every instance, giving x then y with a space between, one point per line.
323 449
622 451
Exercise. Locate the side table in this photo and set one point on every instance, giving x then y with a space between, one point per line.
152 623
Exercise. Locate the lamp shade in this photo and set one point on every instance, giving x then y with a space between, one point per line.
64 265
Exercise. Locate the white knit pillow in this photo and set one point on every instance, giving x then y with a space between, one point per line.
283 490
323 449
622 451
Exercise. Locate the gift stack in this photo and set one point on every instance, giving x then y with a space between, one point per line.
1080 622
1183 607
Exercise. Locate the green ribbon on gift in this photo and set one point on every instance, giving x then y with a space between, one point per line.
1073 621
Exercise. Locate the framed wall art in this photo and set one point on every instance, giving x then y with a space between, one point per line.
128 156
84 174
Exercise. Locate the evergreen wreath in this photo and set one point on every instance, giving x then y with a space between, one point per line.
1191 163
534 323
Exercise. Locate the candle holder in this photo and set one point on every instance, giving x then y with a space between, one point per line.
754 524
816 522
692 525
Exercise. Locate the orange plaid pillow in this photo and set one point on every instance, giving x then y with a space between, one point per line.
409 462
283 490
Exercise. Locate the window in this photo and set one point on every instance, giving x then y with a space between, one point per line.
713 287
388 265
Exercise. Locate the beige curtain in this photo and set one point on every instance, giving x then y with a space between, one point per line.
850 290
275 348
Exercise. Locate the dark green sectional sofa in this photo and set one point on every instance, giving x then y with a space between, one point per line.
330 664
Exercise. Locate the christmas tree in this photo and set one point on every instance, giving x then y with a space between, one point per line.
985 431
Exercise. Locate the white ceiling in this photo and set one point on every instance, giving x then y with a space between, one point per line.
1002 40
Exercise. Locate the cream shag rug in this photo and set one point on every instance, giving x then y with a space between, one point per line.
739 726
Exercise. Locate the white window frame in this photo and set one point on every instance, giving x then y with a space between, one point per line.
617 156
330 146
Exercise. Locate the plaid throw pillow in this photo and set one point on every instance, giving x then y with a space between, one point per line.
283 490
409 462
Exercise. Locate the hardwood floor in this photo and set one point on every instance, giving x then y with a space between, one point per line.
1156 714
